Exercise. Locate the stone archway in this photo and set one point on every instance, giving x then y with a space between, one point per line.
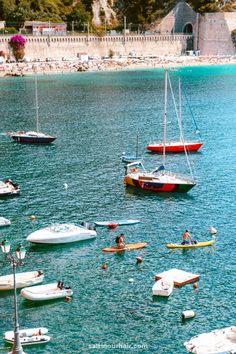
188 28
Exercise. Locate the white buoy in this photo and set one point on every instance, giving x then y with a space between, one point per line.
213 230
188 314
65 186
131 280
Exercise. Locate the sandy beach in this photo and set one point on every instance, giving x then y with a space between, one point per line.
65 66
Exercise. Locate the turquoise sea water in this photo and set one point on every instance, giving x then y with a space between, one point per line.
96 117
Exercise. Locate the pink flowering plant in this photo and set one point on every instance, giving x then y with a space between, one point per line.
17 43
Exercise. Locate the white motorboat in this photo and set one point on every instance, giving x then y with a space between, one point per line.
22 280
29 336
61 233
8 188
46 292
4 222
218 341
163 287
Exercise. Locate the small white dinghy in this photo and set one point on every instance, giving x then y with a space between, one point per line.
29 336
163 287
4 222
46 292
61 233
22 280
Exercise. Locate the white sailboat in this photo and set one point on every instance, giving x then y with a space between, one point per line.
33 137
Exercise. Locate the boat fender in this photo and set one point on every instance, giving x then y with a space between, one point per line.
112 225
213 230
104 266
188 314
67 298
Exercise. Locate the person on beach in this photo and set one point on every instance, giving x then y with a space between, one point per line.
186 237
120 241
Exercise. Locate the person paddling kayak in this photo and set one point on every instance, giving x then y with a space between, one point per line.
186 237
120 241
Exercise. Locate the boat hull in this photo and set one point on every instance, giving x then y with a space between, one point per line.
163 288
199 244
22 280
45 292
175 148
55 234
116 222
33 139
130 159
156 186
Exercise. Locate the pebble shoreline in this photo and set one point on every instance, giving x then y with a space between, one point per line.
60 66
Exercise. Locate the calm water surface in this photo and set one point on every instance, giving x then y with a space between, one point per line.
96 117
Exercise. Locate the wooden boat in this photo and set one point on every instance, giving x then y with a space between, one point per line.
4 222
179 145
33 137
117 222
191 245
61 233
8 188
29 336
179 277
46 292
22 280
163 287
128 247
160 179
219 341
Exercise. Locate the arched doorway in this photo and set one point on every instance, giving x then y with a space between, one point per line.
188 28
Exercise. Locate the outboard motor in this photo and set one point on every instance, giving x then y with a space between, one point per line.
88 225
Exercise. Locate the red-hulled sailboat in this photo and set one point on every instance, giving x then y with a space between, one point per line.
178 145
159 180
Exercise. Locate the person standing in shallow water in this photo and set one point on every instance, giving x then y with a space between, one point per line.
120 241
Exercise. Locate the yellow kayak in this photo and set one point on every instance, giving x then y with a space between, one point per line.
194 245
128 247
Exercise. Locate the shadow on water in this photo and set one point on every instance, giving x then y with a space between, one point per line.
132 191
28 304
160 299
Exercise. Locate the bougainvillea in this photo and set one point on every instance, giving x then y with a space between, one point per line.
17 43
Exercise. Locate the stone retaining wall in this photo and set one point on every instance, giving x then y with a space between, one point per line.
69 46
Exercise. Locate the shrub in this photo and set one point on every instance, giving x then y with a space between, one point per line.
17 43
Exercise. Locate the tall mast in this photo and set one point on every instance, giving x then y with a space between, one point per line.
137 147
165 108
36 103
180 106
